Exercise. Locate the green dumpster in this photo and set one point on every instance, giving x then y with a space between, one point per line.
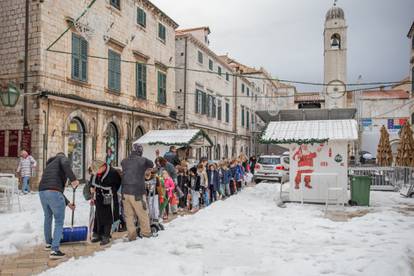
360 189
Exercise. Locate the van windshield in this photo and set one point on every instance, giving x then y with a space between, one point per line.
269 160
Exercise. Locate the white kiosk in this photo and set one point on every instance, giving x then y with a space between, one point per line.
318 157
186 140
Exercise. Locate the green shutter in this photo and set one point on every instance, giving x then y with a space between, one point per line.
141 17
141 83
162 88
247 119
84 59
75 57
114 71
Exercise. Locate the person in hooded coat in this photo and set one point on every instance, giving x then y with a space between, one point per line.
105 182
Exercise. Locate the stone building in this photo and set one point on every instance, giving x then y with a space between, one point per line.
205 92
96 90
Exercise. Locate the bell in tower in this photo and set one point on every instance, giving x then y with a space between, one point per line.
336 41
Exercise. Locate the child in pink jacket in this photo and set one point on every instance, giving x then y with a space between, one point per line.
169 188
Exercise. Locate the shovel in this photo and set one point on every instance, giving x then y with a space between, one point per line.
74 234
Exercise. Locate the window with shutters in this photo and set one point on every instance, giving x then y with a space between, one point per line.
79 58
219 70
210 65
162 88
116 4
214 108
141 17
248 91
227 112
141 77
242 116
161 32
242 87
209 106
247 119
204 103
227 76
219 110
200 57
199 102
114 71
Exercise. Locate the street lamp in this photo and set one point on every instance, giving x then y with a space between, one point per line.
10 95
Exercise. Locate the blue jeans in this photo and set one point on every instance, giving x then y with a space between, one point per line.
53 204
25 186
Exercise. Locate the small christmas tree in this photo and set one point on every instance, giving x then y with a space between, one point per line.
405 155
384 153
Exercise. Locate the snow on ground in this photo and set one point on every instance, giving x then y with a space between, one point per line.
248 235
19 230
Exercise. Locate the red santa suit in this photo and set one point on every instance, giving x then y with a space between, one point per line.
305 165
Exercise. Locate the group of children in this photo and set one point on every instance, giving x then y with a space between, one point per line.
196 187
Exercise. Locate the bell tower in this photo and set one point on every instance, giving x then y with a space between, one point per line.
335 47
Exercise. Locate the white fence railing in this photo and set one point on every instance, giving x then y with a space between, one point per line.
386 178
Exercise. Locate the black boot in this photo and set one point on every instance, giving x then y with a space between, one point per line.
105 241
96 238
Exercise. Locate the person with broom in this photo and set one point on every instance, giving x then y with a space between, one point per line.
58 170
105 182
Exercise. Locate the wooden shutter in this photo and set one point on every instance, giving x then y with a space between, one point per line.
84 59
75 57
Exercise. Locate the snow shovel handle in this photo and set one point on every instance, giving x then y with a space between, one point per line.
73 210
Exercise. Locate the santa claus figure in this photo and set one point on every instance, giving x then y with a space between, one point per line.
305 160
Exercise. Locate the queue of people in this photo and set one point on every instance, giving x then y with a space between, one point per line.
141 196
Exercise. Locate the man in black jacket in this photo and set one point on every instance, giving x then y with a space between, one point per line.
58 170
134 193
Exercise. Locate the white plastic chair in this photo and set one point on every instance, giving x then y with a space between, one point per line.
9 187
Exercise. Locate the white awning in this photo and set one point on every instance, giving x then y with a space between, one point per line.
302 132
178 137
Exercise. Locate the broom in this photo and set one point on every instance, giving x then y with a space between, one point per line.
74 234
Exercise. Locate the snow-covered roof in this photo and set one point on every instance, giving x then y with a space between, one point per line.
305 132
179 137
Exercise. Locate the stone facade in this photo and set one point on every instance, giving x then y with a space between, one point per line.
86 119
202 89
411 78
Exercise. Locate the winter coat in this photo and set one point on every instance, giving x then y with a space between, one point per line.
169 186
106 214
170 169
172 158
253 162
182 183
58 170
203 179
25 166
213 183
225 176
236 173
246 167
133 174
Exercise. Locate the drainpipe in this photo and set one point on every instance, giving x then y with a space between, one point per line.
185 81
46 134
235 113
26 64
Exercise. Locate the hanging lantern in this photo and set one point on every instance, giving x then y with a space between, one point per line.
10 95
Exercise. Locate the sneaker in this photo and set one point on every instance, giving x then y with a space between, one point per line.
55 255
96 239
48 247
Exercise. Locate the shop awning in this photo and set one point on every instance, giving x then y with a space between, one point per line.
308 132
176 137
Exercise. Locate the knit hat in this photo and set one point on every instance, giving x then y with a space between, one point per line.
138 149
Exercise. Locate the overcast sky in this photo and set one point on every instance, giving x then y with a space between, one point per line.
286 36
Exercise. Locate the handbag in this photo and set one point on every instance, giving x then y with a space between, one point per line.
107 198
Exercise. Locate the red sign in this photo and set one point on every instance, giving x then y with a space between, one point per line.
2 142
13 143
27 140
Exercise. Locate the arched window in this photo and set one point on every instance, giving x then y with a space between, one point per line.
112 145
336 41
76 147
226 151
217 154
139 132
